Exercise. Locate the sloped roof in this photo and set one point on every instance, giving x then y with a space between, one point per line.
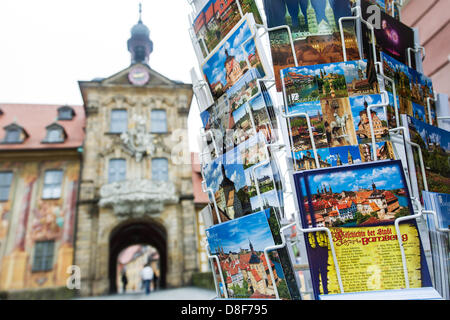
34 118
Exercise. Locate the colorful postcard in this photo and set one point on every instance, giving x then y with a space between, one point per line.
391 36
244 89
232 126
229 177
338 122
329 81
237 54
359 205
435 146
217 19
364 194
412 88
298 127
315 32
361 118
240 245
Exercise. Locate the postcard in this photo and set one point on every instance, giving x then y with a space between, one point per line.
391 36
388 6
380 126
359 205
240 245
217 18
435 147
329 81
237 54
315 33
439 203
413 90
359 195
235 184
232 126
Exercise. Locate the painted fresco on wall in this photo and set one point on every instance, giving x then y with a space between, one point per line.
39 220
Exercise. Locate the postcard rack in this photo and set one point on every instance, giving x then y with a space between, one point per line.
285 143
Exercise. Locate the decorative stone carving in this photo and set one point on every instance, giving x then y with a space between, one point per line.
137 141
93 104
137 197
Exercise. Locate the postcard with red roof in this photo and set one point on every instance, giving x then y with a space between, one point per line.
216 19
239 245
237 54
359 205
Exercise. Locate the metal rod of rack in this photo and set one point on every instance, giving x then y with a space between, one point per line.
421 163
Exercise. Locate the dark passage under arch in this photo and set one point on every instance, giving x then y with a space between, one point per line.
142 231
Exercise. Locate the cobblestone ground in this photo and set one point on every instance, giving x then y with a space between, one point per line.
188 293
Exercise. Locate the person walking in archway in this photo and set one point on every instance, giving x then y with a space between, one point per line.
147 277
124 279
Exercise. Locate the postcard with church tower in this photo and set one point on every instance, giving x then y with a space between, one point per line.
237 54
313 25
239 246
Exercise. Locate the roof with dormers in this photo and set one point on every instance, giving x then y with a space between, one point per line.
34 119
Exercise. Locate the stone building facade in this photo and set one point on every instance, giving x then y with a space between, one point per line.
136 185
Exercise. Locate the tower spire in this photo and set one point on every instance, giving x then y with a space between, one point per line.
139 45
140 11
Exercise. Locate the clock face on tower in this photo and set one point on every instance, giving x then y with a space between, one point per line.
138 76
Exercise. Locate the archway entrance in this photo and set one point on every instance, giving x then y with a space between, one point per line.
137 232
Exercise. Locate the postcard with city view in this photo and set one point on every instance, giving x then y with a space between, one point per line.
435 145
232 126
314 29
239 245
231 178
238 53
217 18
361 195
359 205
391 36
412 88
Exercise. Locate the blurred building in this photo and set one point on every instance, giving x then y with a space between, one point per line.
201 200
40 152
432 18
136 185
79 184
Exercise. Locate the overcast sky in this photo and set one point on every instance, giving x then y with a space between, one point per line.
48 45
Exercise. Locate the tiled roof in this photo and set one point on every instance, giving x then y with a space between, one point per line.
34 118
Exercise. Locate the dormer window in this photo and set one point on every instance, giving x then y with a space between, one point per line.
65 113
14 134
55 134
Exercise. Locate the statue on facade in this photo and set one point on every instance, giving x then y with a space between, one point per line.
137 141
